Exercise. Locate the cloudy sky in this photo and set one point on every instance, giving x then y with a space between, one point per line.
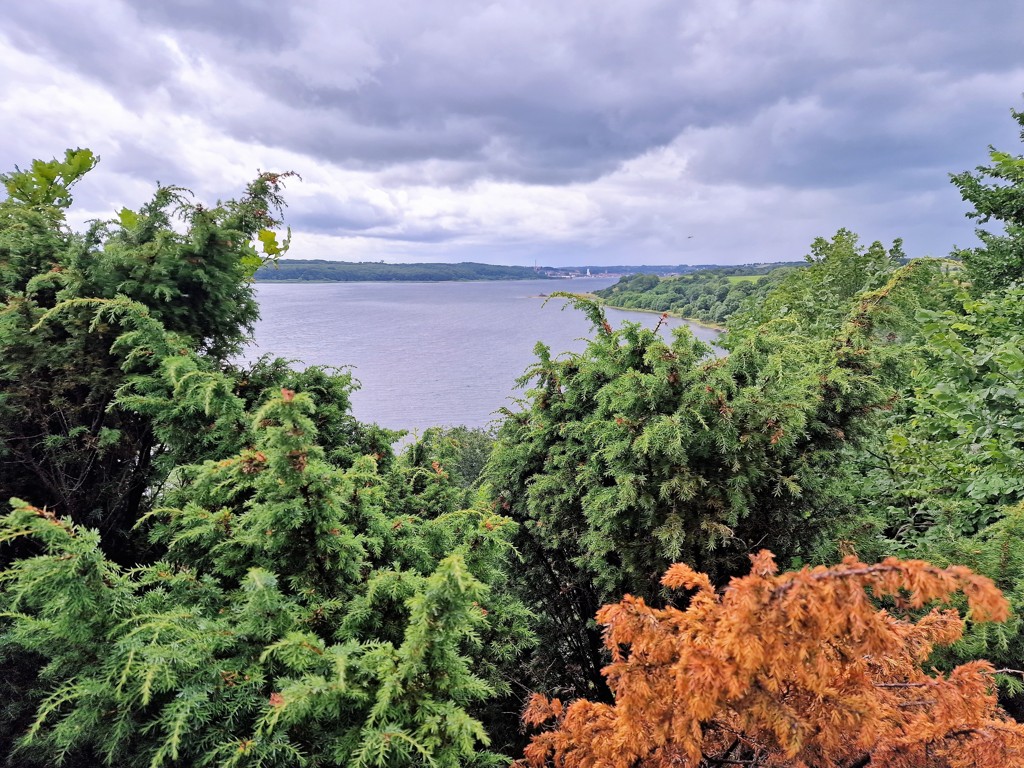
567 132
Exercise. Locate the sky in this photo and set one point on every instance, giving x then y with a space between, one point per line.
560 132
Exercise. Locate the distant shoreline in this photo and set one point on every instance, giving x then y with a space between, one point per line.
695 321
321 271
603 303
294 281
324 271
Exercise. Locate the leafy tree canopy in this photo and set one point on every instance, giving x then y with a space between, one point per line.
996 192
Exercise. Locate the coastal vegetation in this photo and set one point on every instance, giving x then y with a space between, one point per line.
320 270
710 296
804 552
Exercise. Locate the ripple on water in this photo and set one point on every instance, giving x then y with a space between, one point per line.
427 353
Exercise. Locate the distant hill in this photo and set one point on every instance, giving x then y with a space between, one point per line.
634 269
320 270
754 268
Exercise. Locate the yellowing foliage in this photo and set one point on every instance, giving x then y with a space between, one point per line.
799 669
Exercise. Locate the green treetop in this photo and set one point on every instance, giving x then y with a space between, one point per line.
642 451
996 192
66 443
290 622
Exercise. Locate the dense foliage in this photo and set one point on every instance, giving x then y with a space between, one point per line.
942 479
289 621
640 452
709 295
817 298
148 357
209 563
64 440
364 271
996 192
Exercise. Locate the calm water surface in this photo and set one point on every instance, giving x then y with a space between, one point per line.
428 353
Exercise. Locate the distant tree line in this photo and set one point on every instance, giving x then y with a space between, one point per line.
320 270
670 270
343 271
710 295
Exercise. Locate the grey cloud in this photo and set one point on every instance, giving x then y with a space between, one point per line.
328 215
894 128
99 40
568 96
873 101
241 22
424 235
149 165
566 92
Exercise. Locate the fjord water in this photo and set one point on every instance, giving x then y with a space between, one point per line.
429 353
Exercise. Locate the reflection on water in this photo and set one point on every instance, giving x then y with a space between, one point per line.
427 353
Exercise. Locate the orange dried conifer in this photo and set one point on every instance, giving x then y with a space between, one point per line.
802 670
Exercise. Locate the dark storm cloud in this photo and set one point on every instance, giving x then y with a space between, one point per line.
148 164
100 40
328 215
532 93
242 23
872 102
532 104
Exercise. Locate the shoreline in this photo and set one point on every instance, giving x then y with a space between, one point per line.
290 281
693 320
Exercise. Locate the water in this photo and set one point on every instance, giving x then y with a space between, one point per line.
428 353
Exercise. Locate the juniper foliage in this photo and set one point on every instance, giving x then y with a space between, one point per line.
291 621
65 441
641 451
